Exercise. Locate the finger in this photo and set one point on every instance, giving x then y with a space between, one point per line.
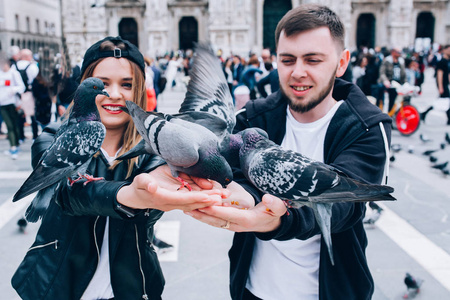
274 205
202 182
207 219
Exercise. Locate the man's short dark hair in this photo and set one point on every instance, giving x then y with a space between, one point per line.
311 16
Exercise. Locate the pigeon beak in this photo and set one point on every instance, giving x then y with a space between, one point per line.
104 92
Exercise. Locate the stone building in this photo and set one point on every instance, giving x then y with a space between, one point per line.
235 26
241 26
31 24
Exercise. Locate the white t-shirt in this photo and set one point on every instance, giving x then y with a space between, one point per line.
100 285
290 269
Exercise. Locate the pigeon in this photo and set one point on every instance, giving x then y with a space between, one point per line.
190 140
429 152
22 223
71 151
447 138
412 286
441 166
299 180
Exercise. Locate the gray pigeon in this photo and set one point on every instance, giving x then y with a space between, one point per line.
190 141
76 141
299 180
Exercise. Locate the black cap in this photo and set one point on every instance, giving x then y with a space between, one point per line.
131 52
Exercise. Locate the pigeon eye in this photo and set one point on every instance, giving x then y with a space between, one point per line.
95 87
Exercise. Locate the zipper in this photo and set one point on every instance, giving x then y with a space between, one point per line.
96 242
144 296
55 242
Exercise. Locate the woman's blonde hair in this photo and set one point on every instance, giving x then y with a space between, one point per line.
131 137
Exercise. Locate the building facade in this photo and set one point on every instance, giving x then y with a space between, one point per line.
234 26
32 24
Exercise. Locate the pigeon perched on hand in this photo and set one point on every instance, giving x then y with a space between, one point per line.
71 151
190 141
299 180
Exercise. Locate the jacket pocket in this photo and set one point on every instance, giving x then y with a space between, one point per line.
34 275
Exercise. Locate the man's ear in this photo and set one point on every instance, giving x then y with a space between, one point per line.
343 63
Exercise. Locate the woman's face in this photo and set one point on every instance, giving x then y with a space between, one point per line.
117 76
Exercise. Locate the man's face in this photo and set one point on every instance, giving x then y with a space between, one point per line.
307 66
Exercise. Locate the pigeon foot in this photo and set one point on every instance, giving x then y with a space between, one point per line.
184 184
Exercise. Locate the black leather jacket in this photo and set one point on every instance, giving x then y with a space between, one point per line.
64 256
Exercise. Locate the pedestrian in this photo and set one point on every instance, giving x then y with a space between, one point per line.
42 99
392 69
272 79
28 70
10 85
249 74
94 240
442 80
279 255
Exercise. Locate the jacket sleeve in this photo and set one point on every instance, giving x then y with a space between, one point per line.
97 197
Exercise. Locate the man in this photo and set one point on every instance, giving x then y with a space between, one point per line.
392 68
278 255
442 80
29 66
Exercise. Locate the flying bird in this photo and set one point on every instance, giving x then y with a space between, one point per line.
447 138
190 141
70 152
299 180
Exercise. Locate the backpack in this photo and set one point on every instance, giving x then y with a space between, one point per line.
24 75
162 83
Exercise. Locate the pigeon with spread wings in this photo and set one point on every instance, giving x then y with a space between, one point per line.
190 141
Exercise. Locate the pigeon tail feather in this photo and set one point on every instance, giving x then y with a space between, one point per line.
137 150
322 212
40 203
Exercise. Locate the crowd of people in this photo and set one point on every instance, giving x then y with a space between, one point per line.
94 241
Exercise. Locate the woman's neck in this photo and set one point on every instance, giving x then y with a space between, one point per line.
113 141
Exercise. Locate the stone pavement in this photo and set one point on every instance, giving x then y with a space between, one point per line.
197 267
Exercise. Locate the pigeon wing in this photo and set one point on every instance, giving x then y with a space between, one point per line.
208 91
74 147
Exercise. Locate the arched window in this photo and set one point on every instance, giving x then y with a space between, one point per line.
365 31
188 32
274 10
425 25
128 30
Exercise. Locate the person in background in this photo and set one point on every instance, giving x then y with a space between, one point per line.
42 99
10 84
249 75
271 78
31 69
392 68
442 80
359 71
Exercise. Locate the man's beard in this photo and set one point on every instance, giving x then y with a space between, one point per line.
300 107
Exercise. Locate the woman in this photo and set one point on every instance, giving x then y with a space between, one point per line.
95 240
